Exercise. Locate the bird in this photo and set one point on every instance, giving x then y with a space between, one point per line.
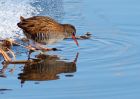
43 30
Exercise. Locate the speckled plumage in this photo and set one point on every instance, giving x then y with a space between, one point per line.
43 29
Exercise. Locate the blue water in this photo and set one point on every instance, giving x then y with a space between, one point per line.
108 63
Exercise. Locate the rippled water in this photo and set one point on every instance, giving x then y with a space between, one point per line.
107 65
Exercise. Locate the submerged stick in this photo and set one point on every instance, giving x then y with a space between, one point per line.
20 62
12 53
27 47
5 56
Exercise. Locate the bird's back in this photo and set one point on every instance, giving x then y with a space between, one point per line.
42 29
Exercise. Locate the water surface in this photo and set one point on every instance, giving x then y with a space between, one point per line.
107 65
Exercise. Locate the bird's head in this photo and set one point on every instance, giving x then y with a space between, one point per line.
70 31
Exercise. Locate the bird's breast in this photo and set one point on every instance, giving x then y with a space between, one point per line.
45 38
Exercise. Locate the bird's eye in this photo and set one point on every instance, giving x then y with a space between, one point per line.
73 33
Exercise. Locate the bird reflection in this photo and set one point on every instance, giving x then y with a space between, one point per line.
48 69
3 90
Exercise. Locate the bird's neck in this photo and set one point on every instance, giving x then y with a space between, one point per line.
66 28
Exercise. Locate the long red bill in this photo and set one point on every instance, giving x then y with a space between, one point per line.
74 38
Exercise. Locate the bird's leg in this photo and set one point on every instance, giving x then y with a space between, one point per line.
38 46
30 52
31 45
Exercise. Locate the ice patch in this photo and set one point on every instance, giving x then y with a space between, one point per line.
10 11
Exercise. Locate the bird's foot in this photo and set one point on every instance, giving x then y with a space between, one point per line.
49 49
31 48
41 48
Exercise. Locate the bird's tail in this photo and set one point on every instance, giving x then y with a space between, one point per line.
21 18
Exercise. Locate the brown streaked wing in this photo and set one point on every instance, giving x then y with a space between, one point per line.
40 24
